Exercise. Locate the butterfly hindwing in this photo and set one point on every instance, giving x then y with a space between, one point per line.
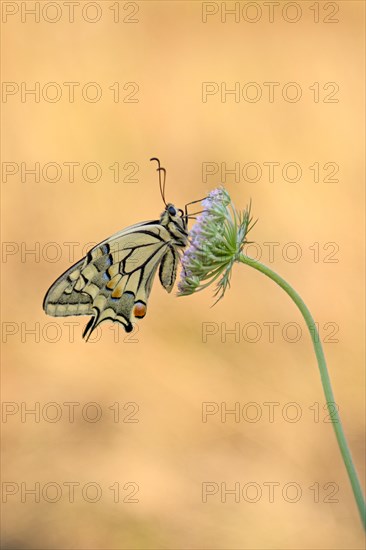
114 280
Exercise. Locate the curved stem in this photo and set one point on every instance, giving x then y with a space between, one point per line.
336 421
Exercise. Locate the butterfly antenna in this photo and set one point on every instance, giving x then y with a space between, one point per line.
161 184
164 180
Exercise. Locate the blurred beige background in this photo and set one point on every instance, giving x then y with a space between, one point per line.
167 370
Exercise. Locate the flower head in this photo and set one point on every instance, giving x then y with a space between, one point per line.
216 241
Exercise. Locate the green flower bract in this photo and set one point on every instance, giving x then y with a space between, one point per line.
216 240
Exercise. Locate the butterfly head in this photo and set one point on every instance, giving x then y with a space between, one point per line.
176 222
174 215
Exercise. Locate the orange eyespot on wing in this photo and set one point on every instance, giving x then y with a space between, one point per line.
139 310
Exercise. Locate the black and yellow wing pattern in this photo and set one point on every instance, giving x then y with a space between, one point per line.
114 280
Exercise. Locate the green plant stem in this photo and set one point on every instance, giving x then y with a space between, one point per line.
336 421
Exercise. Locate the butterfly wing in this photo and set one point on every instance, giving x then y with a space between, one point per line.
114 280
